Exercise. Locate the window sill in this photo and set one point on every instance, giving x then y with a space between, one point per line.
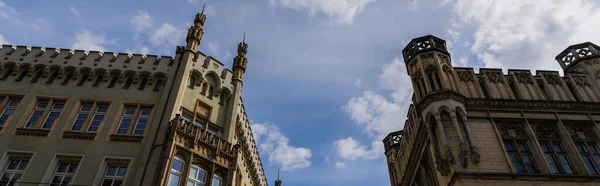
79 135
126 138
32 132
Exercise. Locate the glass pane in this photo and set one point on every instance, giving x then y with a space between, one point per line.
13 164
79 121
122 171
145 112
579 147
592 148
193 172
531 169
5 115
216 181
16 176
527 158
509 146
124 125
112 170
56 179
95 123
35 116
102 109
86 107
523 147
588 163
58 106
52 116
118 183
6 176
552 163
72 168
67 180
565 163
41 105
141 125
23 165
14 103
557 148
107 182
201 176
173 180
130 110
177 165
545 148
62 167
191 183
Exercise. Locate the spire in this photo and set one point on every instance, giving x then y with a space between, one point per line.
195 31
240 61
278 181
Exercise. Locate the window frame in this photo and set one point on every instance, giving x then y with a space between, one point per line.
195 179
524 166
115 177
55 163
41 123
133 124
555 156
176 172
594 157
66 174
91 114
16 170
5 101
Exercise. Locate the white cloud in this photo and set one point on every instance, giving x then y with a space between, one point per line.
210 10
75 13
340 165
276 146
87 40
343 11
138 49
3 40
141 21
213 48
377 115
167 35
527 33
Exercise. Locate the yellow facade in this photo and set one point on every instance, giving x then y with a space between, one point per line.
495 128
102 118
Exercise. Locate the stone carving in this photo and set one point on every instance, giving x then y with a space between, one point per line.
449 155
482 103
582 133
581 81
475 156
524 78
495 77
444 58
546 131
430 69
512 131
552 79
428 59
417 75
444 95
446 68
465 76
464 155
597 74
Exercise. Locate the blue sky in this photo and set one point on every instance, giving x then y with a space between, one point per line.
325 80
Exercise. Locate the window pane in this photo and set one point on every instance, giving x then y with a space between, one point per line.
141 125
62 167
216 181
557 148
177 165
130 110
193 172
6 176
7 113
95 123
565 163
13 164
191 183
523 147
514 159
145 112
545 148
588 163
14 103
112 170
592 148
579 147
509 146
107 182
102 109
173 180
23 165
52 116
201 176
67 180
118 183
552 163
35 116
531 168
56 179
124 125
86 107
527 158
122 171
58 106
41 105
79 120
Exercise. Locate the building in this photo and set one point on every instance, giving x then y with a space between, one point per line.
102 118
495 128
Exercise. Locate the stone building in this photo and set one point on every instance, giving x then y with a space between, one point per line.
495 128
102 118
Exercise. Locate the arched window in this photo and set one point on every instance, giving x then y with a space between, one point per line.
586 144
553 150
519 152
143 83
176 171
157 85
128 82
192 81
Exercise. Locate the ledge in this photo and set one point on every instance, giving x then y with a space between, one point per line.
79 135
524 177
32 132
126 138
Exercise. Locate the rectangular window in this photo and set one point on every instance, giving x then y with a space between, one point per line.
520 156
216 181
45 114
175 173
556 157
196 177
14 170
89 117
64 173
589 154
8 105
114 175
139 114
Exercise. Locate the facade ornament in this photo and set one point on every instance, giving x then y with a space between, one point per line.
428 59
475 156
581 81
597 74
446 68
582 133
524 78
444 58
552 79
495 77
464 155
546 131
430 69
512 131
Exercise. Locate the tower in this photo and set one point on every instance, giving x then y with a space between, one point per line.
439 105
278 181
240 61
195 32
581 66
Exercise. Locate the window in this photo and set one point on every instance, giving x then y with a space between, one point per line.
52 77
197 177
128 82
7 73
37 76
89 117
556 157
139 114
185 119
114 175
22 74
48 109
113 81
143 84
520 156
211 92
590 155
192 82
175 173
98 80
157 85
13 171
8 106
67 78
64 173
216 181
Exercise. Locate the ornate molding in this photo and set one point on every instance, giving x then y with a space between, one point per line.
581 132
530 104
546 131
597 74
466 76
552 79
524 78
581 81
438 96
495 77
512 131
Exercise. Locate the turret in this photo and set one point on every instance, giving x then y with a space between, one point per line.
240 61
580 58
195 32
278 181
